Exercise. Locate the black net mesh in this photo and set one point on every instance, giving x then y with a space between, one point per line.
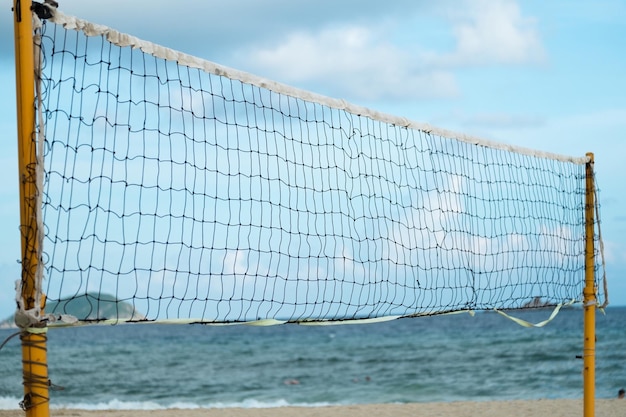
175 193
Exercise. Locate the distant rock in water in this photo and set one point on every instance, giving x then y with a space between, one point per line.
89 307
537 302
94 306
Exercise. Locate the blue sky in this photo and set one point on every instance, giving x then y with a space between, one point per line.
543 75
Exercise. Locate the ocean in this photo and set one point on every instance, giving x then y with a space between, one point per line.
441 358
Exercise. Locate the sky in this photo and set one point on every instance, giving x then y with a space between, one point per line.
537 74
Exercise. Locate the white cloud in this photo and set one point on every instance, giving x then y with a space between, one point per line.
346 265
365 62
614 252
356 61
494 32
235 263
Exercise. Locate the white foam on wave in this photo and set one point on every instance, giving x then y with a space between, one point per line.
10 403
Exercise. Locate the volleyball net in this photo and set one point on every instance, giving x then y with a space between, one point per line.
179 190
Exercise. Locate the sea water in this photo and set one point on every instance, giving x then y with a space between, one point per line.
442 358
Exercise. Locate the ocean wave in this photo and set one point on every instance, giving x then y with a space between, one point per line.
11 403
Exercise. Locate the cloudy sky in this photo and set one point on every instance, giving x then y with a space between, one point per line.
543 75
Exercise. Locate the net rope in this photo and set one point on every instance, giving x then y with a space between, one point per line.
177 190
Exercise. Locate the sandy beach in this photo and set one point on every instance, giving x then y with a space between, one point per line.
522 408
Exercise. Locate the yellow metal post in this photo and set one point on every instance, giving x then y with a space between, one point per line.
589 296
34 355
